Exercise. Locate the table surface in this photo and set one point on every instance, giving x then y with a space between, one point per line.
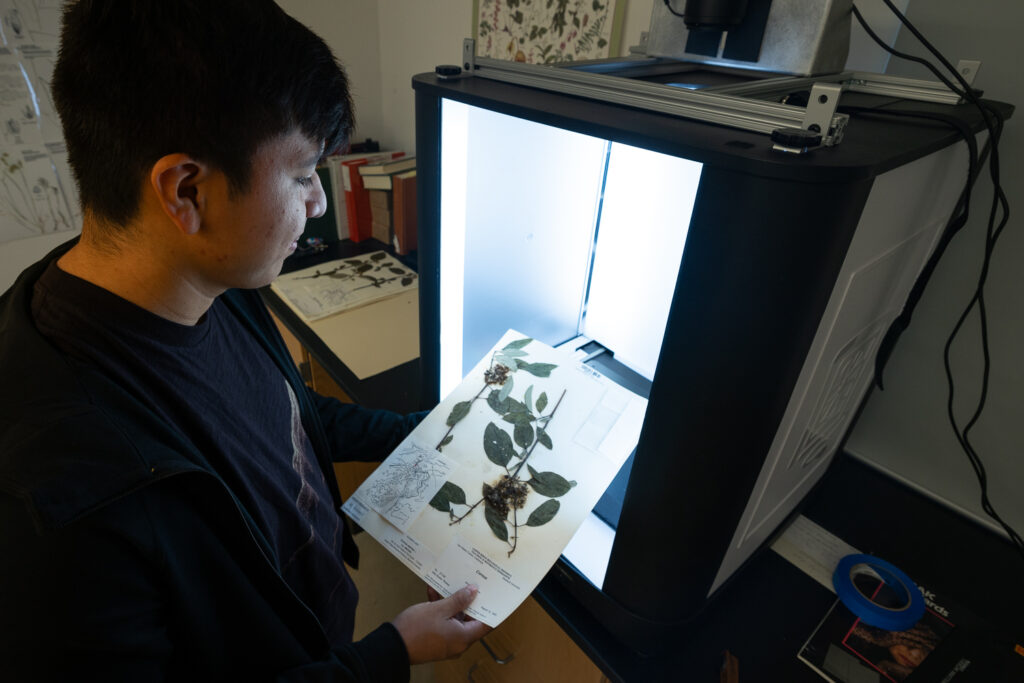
764 615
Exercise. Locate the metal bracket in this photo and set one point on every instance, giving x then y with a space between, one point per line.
746 106
469 55
968 69
820 116
723 109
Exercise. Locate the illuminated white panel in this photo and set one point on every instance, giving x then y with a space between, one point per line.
519 202
648 201
590 549
454 157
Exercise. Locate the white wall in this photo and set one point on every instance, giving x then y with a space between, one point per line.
15 256
351 29
411 38
904 429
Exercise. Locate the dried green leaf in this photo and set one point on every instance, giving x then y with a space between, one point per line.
397 271
459 411
518 417
537 369
544 439
544 513
550 484
506 389
528 398
448 439
406 281
449 493
503 406
497 445
363 268
379 256
523 434
496 522
517 344
542 402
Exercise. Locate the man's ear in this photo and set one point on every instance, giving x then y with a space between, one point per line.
176 181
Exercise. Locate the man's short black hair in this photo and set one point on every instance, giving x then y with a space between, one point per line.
139 79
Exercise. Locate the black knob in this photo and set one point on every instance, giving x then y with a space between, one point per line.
447 71
796 137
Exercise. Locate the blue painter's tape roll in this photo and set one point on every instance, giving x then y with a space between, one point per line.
900 612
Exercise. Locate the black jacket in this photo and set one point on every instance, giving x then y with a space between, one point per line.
124 556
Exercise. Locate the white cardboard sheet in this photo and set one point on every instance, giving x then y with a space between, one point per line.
559 429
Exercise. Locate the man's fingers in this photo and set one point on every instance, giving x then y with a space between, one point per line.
474 630
460 599
439 630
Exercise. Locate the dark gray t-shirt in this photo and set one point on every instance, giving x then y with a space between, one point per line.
215 383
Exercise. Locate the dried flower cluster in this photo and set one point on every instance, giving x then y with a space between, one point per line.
497 374
509 493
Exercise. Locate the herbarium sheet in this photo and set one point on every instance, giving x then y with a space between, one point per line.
493 484
344 284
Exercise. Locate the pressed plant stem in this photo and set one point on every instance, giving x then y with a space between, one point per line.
456 520
526 457
515 531
482 389
513 474
379 281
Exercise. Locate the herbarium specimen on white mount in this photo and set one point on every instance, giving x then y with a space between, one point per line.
507 494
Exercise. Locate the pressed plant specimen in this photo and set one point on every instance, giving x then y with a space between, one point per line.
367 269
507 494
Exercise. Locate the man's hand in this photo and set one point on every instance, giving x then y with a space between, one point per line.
439 630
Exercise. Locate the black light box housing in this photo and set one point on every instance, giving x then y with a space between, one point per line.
743 291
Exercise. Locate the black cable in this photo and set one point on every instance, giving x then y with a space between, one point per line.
678 14
994 124
956 223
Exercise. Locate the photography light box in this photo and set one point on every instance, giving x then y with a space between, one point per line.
743 291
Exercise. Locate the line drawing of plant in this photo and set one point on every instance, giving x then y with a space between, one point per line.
508 493
36 207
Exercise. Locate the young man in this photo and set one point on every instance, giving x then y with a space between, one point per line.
167 505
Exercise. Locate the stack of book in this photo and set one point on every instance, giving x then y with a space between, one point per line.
391 195
380 215
369 194
356 198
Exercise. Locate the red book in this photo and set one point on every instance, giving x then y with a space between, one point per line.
357 199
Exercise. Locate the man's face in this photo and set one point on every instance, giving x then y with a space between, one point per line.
250 235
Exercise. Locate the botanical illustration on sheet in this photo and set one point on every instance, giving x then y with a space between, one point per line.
546 31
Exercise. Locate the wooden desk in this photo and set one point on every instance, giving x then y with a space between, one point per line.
395 389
